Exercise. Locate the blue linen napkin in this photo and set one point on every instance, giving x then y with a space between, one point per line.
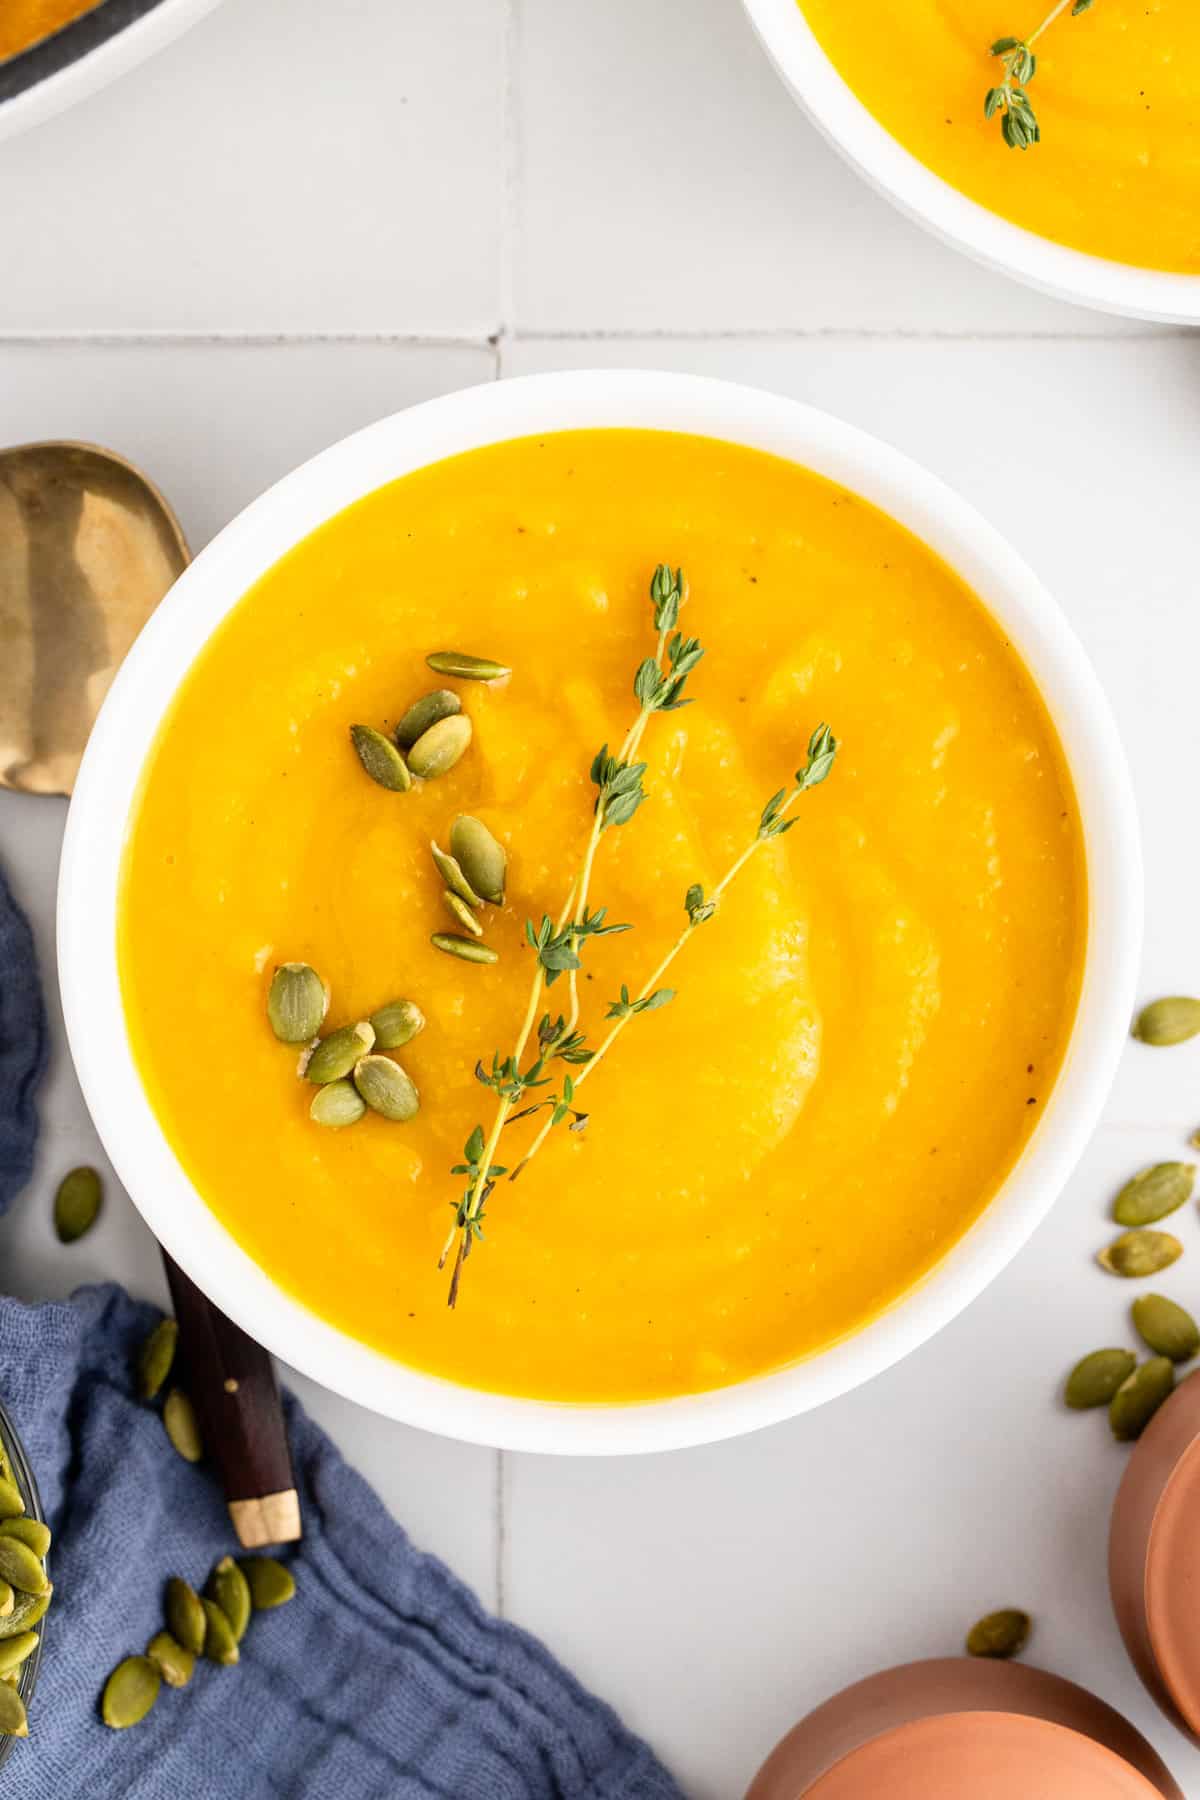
22 1046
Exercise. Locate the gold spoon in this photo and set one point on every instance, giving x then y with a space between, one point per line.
88 548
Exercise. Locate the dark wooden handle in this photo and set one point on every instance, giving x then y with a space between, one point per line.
232 1384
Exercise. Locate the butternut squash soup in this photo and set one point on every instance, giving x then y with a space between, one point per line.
1115 96
26 22
836 1071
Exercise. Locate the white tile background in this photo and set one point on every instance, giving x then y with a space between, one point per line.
300 218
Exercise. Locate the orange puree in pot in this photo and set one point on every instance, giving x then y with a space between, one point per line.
25 22
1117 95
862 1040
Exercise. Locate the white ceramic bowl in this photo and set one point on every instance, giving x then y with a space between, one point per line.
217 580
874 152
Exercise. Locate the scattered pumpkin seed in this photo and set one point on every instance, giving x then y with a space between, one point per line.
1164 1327
220 1645
461 913
440 704
453 877
437 750
182 1426
461 667
1001 1634
8 1600
337 1054
1169 1021
296 1003
21 1568
156 1357
465 948
77 1204
11 1503
130 1692
1096 1377
397 1024
185 1615
175 1664
481 857
14 1650
29 1608
337 1104
28 1531
270 1583
380 758
1139 1253
230 1589
13 1722
1154 1193
387 1089
1194 1140
1139 1397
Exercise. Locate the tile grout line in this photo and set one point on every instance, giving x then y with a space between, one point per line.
501 1505
511 199
507 333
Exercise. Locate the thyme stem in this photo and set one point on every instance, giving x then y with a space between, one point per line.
1010 97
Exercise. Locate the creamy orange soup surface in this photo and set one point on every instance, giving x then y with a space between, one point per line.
861 1041
26 22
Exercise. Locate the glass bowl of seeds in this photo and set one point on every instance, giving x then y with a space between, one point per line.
24 1544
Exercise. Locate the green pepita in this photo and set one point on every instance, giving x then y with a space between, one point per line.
1154 1193
1000 1635
461 667
77 1204
156 1357
28 1531
480 856
1095 1379
440 704
185 1615
28 1610
229 1588
461 913
182 1426
21 1568
13 1722
1139 1397
270 1583
452 875
1163 1326
11 1503
175 1664
220 1645
296 1003
7 1600
437 750
380 758
464 948
397 1024
337 1054
1169 1021
14 1650
130 1692
387 1089
1136 1254
336 1104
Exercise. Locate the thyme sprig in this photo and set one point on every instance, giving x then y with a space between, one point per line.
1010 97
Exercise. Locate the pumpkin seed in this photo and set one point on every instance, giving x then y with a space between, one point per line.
155 1358
270 1583
1163 1327
1095 1379
461 913
380 758
1139 1397
13 1722
175 1664
182 1426
437 750
461 667
21 1568
1154 1193
337 1054
229 1588
1001 1634
296 1003
387 1089
220 1645
481 857
77 1204
440 704
29 1608
453 877
185 1615
464 948
130 1692
397 1024
1169 1021
7 1600
1138 1253
28 1531
336 1104
11 1503
14 1650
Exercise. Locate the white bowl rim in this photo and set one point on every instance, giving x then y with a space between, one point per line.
1055 269
252 543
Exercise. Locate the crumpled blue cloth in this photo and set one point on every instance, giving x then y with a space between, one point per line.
22 1046
384 1679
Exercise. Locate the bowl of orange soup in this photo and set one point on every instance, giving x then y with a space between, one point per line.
1053 141
624 853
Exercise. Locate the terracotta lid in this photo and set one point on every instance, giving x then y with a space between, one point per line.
1154 1557
940 1730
